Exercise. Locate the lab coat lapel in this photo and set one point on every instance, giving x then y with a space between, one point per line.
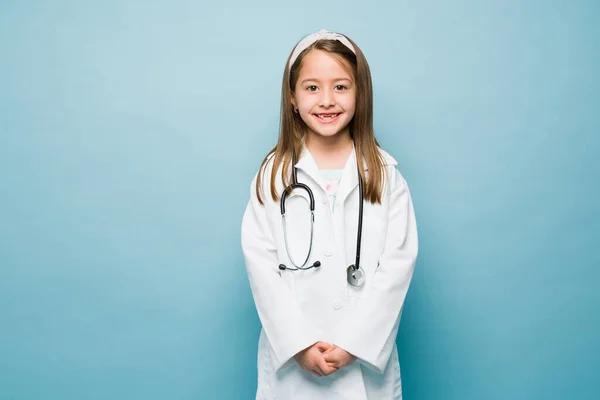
307 164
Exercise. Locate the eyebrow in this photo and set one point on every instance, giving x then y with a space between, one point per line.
316 80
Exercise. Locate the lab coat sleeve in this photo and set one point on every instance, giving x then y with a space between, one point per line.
282 319
371 332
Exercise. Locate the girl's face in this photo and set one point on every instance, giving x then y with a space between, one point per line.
325 94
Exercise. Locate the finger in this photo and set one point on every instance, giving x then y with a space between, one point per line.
322 346
326 368
318 370
329 350
331 357
311 370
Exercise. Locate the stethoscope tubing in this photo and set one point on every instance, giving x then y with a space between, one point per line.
312 222
296 185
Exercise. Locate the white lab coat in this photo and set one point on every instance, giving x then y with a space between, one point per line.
299 308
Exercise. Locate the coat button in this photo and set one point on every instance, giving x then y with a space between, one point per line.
324 200
337 304
329 252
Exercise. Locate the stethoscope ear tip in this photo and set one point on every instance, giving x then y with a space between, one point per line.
317 264
281 267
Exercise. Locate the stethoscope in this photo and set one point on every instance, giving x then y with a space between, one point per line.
354 273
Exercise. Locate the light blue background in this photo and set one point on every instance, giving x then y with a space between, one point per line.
130 131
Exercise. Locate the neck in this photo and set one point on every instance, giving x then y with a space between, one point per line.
330 152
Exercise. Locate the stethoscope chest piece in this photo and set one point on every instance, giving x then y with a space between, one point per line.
356 277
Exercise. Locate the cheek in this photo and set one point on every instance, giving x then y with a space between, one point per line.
350 108
350 103
306 107
306 101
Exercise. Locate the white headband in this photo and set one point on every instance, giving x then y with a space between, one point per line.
310 39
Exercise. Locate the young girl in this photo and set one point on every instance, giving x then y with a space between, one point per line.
329 236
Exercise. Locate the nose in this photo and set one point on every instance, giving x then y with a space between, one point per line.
327 98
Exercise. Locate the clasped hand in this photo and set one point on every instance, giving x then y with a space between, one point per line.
323 358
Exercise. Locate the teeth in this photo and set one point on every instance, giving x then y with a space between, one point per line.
327 116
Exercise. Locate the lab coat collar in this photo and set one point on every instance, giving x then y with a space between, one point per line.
349 180
307 164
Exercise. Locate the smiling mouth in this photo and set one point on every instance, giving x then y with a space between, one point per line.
327 117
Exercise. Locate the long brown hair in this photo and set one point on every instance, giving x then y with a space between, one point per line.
292 128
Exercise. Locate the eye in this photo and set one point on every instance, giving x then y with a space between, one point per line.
341 87
311 88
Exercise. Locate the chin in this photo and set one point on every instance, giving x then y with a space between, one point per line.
319 131
337 132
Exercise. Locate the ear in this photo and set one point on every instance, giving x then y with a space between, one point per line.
293 101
